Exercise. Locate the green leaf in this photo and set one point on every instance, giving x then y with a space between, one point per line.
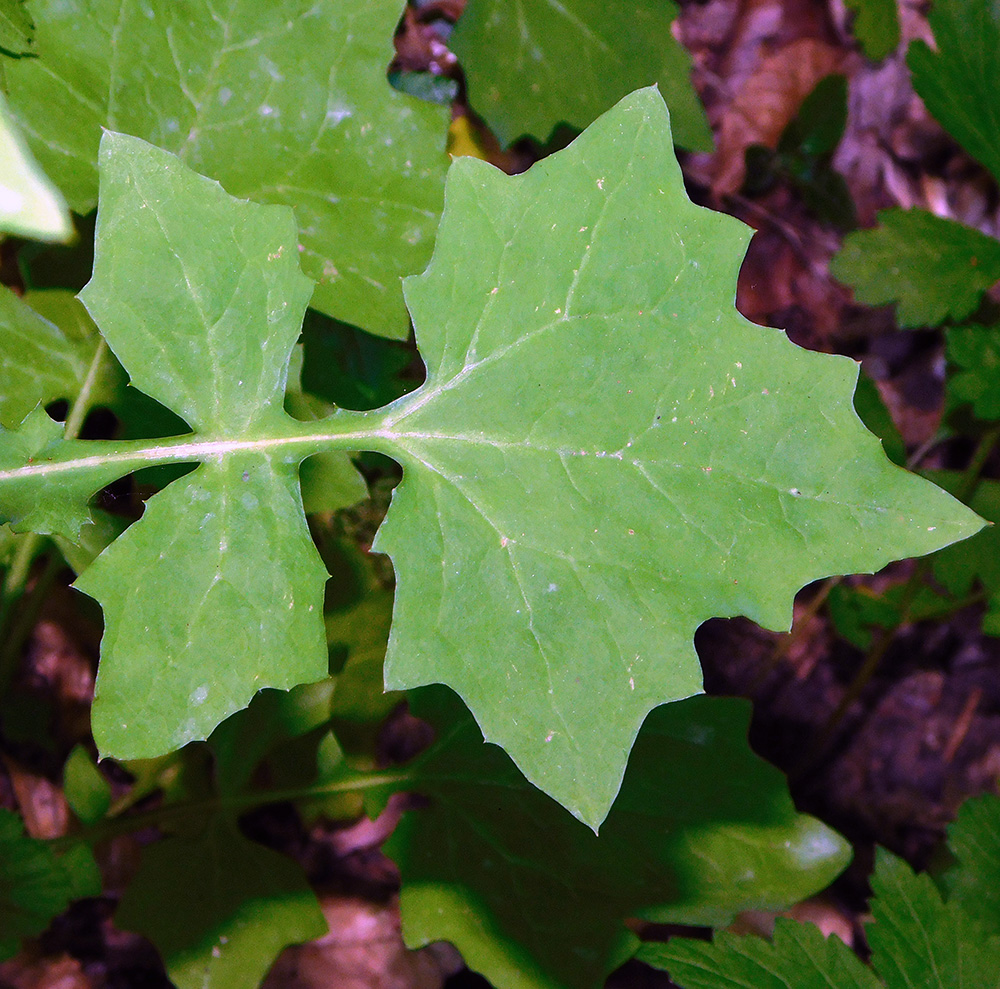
534 65
47 347
917 940
974 354
186 589
876 416
606 454
36 884
30 205
876 26
218 907
959 82
960 568
935 269
798 957
301 83
329 480
515 882
819 125
17 32
87 791
973 883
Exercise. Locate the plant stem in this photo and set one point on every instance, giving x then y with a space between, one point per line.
353 782
13 634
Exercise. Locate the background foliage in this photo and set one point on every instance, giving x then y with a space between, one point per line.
603 454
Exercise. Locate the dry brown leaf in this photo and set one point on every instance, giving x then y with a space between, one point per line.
766 104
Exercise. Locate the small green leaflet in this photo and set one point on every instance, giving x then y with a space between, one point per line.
973 882
876 26
36 884
916 937
301 82
959 81
974 362
533 899
604 455
533 65
934 269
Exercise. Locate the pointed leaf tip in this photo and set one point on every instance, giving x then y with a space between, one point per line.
605 454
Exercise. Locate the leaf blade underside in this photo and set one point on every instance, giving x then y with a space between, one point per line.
217 591
605 454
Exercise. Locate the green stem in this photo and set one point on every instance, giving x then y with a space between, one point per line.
17 575
355 782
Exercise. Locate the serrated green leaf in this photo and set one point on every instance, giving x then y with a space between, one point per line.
876 26
17 32
919 941
534 65
30 205
227 544
36 499
974 882
302 83
959 81
36 884
606 454
798 957
974 355
219 908
533 898
934 269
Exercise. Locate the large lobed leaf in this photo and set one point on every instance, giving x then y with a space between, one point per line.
532 898
605 454
217 591
301 83
533 65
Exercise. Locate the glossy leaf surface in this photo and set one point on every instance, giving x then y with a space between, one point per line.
301 83
604 455
917 938
533 898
